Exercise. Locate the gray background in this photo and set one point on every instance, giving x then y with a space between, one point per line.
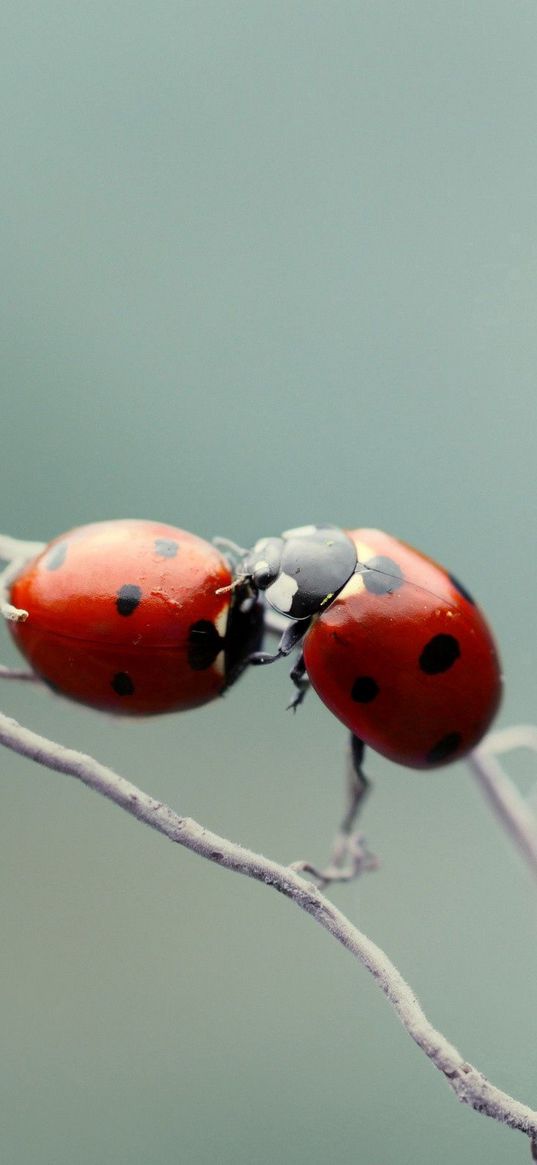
265 264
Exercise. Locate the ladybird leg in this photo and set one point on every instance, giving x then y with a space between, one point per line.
350 856
357 786
229 548
301 682
290 639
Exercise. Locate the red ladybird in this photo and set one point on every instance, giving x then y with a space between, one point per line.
392 643
125 616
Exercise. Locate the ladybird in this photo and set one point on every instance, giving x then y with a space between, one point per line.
393 644
134 617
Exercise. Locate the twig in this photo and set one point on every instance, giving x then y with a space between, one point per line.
19 673
468 1084
507 739
14 553
512 809
17 548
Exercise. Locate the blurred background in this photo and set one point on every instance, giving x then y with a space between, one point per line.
266 264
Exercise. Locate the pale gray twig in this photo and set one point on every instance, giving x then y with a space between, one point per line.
14 552
513 810
468 1084
19 673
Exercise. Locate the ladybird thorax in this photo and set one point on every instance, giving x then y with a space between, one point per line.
302 571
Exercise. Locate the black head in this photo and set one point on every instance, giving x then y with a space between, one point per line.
302 571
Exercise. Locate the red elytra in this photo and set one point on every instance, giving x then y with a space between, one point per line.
124 616
404 658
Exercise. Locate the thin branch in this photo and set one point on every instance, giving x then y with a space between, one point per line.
507 739
468 1084
19 673
14 553
17 548
512 809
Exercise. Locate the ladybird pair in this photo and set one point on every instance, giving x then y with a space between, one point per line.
140 617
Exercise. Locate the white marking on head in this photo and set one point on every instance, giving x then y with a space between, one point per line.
260 565
282 592
299 532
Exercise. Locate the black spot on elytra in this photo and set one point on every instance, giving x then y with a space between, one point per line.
439 654
364 689
56 557
122 684
462 590
382 575
444 748
128 598
204 644
166 547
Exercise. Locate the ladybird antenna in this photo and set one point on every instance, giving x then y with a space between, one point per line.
233 548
